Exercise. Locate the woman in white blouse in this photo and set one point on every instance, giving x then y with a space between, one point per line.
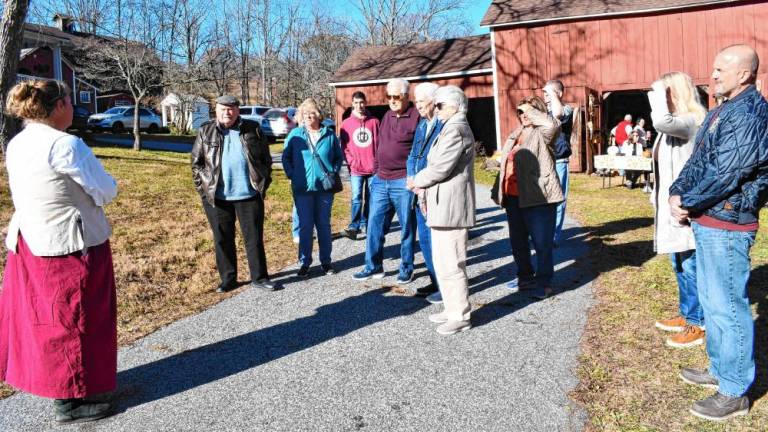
677 114
58 327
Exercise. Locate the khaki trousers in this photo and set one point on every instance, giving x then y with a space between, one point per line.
449 253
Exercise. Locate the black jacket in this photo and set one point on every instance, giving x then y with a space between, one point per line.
206 157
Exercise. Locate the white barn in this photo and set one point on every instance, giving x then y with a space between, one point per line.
197 110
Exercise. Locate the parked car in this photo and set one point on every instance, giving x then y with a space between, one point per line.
253 112
80 117
277 123
118 119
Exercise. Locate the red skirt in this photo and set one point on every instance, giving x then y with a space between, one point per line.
58 323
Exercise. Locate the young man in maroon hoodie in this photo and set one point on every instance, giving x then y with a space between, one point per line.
359 137
389 193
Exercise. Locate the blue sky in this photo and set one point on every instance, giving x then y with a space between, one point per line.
475 12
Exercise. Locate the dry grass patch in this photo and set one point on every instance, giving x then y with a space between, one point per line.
162 246
629 378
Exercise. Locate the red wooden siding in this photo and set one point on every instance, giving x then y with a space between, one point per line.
621 53
474 86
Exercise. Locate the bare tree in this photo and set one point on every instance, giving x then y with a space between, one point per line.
11 35
128 58
396 22
322 53
217 67
242 19
275 19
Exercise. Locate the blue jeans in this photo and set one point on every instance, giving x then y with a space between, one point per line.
684 266
538 223
295 221
387 198
722 275
562 174
425 243
314 210
361 200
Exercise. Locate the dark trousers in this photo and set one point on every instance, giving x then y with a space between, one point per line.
250 213
538 224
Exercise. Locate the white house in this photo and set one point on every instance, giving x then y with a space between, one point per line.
195 110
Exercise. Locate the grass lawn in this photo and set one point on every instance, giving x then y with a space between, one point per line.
629 378
162 245
277 147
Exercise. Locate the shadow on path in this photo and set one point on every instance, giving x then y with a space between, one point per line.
193 368
189 369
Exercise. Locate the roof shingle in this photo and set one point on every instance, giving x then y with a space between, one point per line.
515 11
437 57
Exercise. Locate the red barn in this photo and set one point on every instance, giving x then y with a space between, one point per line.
607 53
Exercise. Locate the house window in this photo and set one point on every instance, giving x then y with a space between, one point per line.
85 97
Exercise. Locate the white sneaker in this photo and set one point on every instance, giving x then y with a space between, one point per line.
451 327
438 318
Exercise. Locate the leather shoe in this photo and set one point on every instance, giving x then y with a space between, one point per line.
425 291
264 284
225 288
80 410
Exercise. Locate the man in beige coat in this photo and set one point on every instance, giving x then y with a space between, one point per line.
450 206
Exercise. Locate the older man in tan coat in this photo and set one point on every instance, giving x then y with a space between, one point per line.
449 185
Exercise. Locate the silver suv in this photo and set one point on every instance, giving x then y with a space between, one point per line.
253 112
118 119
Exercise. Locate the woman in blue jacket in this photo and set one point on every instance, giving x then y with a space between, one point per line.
311 158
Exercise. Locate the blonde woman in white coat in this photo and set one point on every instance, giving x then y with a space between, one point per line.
676 113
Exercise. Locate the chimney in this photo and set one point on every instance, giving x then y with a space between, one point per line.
64 23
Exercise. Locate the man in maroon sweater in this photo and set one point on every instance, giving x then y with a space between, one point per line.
389 195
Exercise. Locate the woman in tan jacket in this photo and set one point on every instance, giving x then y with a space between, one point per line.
529 190
448 185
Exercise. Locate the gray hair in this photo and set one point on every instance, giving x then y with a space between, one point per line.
425 91
398 84
452 96
556 84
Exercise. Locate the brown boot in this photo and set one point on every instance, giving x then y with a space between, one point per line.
690 336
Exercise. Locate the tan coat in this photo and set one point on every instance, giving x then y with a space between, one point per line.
672 149
449 176
537 180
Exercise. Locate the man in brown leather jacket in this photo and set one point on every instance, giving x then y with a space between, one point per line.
232 169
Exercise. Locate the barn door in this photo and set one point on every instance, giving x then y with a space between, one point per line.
592 127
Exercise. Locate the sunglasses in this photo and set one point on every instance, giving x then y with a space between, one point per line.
394 97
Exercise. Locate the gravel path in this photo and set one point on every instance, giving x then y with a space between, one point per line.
333 354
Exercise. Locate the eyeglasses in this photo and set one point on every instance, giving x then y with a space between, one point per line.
394 97
439 105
